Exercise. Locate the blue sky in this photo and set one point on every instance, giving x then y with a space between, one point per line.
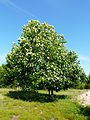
69 17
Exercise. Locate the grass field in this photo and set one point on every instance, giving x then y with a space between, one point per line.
19 105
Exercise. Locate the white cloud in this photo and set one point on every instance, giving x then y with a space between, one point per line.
84 58
18 8
2 58
85 63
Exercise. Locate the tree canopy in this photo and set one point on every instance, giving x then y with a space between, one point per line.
41 60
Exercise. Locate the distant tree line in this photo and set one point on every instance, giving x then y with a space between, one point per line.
88 82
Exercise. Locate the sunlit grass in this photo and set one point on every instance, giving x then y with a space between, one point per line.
19 105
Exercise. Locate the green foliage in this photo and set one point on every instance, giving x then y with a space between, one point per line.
81 79
3 73
7 77
88 82
40 60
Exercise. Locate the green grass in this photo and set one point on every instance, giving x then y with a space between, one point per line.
19 105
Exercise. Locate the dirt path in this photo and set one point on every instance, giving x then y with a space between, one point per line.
85 98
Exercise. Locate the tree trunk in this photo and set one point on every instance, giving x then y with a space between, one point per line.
49 92
52 96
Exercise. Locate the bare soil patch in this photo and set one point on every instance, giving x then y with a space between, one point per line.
85 98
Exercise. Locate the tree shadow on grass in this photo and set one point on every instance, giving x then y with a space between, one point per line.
34 96
86 112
